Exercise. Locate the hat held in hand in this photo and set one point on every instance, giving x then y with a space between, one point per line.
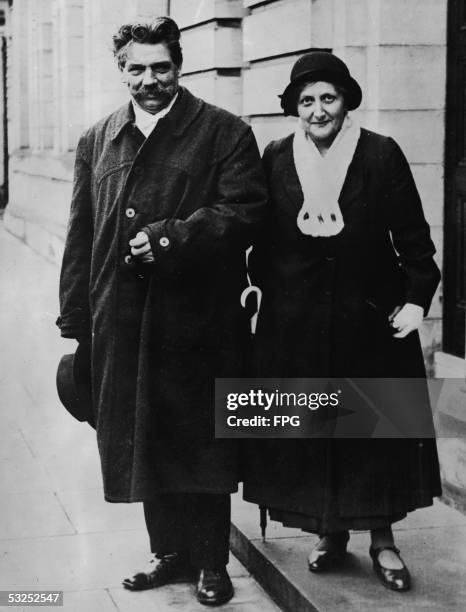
74 384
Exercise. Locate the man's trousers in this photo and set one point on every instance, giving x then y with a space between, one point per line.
195 525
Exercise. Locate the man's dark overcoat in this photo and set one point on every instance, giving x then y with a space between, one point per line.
324 313
161 332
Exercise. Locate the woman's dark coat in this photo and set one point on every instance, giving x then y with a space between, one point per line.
161 332
324 313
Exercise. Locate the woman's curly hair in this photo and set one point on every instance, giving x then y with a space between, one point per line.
161 30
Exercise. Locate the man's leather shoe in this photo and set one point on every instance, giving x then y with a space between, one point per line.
164 570
214 587
323 559
394 579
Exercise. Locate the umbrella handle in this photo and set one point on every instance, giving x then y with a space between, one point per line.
243 298
247 291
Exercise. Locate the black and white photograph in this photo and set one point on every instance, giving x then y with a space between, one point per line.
233 305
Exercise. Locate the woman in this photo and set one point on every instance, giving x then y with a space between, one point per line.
346 272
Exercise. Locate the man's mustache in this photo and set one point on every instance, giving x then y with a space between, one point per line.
152 90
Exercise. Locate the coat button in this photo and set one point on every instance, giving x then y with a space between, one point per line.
164 242
330 258
130 212
138 170
128 259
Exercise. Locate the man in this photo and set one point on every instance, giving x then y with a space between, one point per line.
168 192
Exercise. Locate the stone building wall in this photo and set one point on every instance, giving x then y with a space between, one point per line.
238 54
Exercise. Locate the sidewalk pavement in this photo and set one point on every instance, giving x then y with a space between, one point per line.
56 530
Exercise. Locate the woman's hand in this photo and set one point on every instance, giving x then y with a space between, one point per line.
407 319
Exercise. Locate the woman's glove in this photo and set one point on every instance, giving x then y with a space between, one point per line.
406 319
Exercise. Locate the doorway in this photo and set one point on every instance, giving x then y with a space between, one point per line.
454 282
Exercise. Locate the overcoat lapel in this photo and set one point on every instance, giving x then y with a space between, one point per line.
289 176
354 183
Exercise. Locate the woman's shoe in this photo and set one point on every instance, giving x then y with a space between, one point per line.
323 559
394 579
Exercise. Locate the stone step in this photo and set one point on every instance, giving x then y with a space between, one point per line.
432 541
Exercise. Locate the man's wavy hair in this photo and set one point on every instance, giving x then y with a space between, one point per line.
161 30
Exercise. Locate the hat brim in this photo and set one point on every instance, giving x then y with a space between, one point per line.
73 387
289 97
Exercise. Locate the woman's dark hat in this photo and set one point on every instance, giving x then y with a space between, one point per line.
319 66
74 384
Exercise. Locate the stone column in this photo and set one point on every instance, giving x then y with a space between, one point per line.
19 82
68 73
32 25
44 58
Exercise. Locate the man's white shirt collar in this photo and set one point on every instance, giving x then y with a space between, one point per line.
145 121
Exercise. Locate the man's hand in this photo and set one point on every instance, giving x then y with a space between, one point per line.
407 319
140 248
